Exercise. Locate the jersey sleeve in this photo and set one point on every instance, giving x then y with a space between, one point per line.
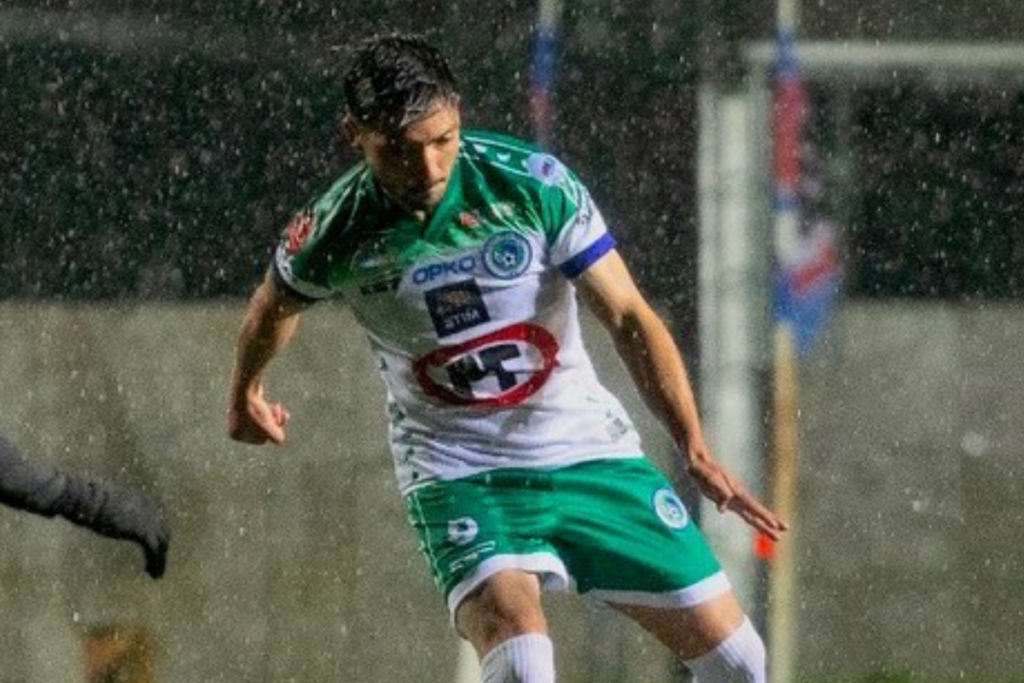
311 255
298 261
582 240
577 233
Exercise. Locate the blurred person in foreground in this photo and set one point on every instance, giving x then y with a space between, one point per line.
461 254
33 486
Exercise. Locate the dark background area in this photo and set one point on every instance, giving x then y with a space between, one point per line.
160 156
162 170
939 191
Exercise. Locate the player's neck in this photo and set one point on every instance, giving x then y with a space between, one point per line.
419 214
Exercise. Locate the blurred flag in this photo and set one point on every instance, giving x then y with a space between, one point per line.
542 73
790 116
807 285
808 268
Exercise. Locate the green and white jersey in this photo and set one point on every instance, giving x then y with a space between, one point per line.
472 315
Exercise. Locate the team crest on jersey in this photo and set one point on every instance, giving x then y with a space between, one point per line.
545 168
670 509
298 231
507 255
502 368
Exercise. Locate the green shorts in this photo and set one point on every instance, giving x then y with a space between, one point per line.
614 529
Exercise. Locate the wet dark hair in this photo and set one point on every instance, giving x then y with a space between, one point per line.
396 80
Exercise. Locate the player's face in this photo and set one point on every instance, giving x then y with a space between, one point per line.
413 164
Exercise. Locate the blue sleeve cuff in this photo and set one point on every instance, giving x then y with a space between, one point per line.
575 266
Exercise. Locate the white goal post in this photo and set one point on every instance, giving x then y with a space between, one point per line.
935 63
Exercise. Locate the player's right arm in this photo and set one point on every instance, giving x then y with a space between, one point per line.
269 325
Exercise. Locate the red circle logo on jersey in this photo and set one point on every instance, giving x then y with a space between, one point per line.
502 368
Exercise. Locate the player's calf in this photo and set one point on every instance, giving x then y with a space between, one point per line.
740 658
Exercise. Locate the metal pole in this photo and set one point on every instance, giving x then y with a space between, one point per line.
781 632
735 250
734 327
782 578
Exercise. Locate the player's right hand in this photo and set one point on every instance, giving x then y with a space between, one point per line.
255 420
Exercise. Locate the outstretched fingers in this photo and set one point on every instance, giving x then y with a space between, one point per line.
757 515
729 495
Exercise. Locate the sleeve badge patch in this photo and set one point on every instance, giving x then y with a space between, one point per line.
545 168
298 231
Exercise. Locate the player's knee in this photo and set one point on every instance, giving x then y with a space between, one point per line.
504 606
527 658
740 658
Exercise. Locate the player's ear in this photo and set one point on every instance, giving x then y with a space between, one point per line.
350 132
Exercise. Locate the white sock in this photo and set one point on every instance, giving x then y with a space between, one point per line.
740 658
528 658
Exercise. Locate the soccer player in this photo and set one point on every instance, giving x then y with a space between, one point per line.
461 254
30 485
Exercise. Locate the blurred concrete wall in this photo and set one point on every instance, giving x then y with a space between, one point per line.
287 564
911 489
295 563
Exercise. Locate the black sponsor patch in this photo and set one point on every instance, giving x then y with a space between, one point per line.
456 307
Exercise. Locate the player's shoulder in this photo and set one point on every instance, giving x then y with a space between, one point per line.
522 163
351 199
348 189
486 144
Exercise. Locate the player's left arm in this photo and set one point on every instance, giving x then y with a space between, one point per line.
657 367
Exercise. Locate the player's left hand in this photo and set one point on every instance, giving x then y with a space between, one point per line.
727 493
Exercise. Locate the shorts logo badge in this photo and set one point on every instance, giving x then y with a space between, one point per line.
507 255
670 509
463 530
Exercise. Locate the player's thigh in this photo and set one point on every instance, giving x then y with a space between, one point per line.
505 605
690 631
